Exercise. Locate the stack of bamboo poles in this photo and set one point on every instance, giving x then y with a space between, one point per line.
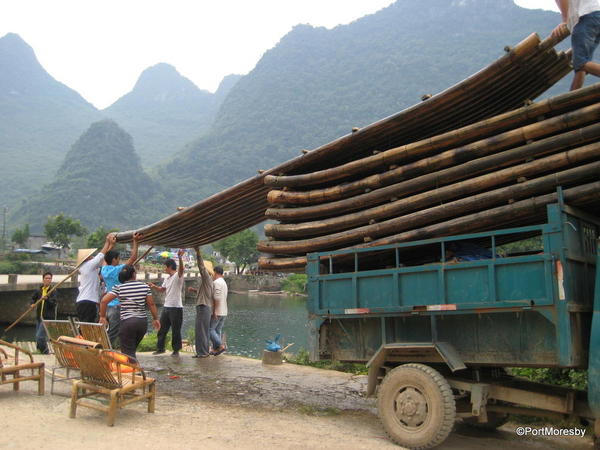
425 139
494 173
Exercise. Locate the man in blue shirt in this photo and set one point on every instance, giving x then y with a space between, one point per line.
110 275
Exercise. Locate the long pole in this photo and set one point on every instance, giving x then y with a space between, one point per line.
52 289
4 210
143 256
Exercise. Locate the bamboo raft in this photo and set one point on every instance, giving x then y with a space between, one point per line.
479 155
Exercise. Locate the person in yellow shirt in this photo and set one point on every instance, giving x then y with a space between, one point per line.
46 309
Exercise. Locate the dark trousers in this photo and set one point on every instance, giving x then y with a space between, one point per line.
131 333
113 315
202 329
170 317
41 337
87 311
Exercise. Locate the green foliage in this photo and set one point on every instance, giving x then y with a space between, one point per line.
571 378
61 228
41 118
525 245
97 238
149 341
11 267
18 263
21 235
165 111
295 283
121 195
302 358
239 248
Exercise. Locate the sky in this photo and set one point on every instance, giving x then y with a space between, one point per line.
99 48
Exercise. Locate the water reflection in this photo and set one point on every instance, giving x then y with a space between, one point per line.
251 320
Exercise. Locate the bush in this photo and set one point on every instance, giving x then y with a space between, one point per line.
148 344
10 267
570 378
295 283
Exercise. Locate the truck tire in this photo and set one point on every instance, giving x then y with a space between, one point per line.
416 406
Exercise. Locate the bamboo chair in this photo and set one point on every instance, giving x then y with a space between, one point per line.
58 328
10 367
65 359
109 374
95 332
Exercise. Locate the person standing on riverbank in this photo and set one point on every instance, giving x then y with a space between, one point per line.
89 280
46 309
171 315
219 311
134 296
110 275
204 299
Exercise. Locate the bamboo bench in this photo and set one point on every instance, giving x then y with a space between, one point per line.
65 359
108 375
11 367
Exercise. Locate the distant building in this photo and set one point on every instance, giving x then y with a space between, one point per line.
35 241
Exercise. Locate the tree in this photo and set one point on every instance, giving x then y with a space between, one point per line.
239 248
98 236
21 235
60 228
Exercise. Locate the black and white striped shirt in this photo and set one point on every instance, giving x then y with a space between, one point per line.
133 299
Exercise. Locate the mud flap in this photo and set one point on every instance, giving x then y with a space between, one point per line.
428 351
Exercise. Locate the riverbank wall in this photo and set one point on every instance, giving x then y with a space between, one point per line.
15 297
254 282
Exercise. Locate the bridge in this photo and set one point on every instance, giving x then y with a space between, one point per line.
16 290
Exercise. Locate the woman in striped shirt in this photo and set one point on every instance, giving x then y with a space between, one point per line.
134 296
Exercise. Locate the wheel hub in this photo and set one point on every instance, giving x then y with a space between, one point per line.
411 407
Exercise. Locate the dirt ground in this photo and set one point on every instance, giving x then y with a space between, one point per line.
230 402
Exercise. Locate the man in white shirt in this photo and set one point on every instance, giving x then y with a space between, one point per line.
172 311
88 298
219 311
582 19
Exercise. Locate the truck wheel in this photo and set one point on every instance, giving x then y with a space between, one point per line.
416 406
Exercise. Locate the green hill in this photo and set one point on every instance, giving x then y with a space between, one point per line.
100 182
316 84
164 111
39 118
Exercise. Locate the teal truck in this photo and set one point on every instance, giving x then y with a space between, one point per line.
439 325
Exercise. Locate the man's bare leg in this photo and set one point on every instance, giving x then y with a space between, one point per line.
578 79
593 68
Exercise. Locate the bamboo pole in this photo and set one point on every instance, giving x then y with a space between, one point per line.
486 200
485 128
399 154
424 217
517 214
143 256
437 178
443 194
444 104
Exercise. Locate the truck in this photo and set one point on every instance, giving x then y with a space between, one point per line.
440 334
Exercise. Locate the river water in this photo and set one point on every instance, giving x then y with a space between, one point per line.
251 319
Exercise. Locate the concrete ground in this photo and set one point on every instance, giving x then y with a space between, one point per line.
230 402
